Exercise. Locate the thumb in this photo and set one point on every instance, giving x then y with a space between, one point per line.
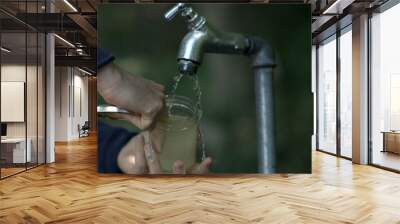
203 167
149 115
153 162
143 120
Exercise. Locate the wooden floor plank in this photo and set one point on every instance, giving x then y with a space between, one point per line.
71 191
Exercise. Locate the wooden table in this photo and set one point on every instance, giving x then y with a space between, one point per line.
391 141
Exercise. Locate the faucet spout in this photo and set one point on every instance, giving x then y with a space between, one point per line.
196 43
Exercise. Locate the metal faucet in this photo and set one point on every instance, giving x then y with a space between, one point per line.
201 39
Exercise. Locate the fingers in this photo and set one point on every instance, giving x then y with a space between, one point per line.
203 167
135 119
133 93
161 96
108 78
158 91
149 116
140 121
178 167
131 159
154 104
158 87
157 139
146 120
153 162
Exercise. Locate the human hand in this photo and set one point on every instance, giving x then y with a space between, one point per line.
141 97
139 156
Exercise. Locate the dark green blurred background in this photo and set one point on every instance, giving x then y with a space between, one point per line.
145 44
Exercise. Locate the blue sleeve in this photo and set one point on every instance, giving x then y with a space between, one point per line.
103 58
110 141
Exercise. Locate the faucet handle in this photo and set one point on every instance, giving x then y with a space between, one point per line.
194 21
170 14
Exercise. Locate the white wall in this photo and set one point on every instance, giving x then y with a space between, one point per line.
61 103
16 73
71 102
13 101
80 97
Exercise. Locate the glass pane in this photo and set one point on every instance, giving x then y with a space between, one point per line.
31 97
31 88
13 86
23 89
386 89
327 96
41 98
346 94
314 82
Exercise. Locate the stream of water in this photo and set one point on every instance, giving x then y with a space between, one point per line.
197 90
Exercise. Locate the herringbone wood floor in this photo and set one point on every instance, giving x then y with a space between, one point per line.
70 191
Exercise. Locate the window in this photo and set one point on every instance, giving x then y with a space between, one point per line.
346 92
385 88
22 88
327 96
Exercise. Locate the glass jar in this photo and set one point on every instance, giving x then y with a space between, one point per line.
177 131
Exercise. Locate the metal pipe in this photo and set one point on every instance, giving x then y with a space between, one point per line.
203 39
263 62
263 83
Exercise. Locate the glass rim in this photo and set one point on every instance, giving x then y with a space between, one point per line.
185 103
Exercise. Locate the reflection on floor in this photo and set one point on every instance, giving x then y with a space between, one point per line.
346 152
71 191
387 159
13 169
10 171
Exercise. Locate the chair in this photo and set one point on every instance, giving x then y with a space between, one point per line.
84 130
